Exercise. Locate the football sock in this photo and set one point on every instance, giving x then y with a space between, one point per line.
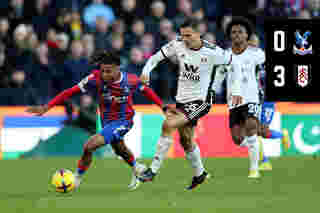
244 142
273 134
254 151
194 157
163 146
265 158
82 168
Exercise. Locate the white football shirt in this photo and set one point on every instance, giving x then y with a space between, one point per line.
246 63
195 67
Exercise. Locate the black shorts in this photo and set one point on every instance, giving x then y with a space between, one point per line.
239 114
194 110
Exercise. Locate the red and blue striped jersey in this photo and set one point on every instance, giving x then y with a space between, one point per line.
115 99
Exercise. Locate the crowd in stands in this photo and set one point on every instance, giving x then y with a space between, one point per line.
45 45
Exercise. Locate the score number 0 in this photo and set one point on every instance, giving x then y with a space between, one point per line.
279 46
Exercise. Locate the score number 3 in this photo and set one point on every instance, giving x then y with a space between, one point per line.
279 82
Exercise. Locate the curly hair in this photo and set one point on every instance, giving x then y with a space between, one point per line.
105 57
242 21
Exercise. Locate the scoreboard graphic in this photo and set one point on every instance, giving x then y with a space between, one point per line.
292 60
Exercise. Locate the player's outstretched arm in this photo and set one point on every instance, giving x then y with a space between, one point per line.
59 99
166 51
152 62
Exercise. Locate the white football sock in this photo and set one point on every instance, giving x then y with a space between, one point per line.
163 146
244 142
194 158
254 152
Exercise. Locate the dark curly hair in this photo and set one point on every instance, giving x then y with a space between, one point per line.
242 21
105 57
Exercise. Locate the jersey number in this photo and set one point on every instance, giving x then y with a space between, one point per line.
254 109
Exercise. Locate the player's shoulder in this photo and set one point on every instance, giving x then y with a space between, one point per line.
176 42
255 50
210 45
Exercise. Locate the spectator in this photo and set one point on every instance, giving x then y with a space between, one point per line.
136 32
17 13
314 7
88 45
40 19
119 26
52 39
148 45
20 92
97 9
166 30
5 68
129 11
117 45
63 22
101 35
19 54
4 31
198 14
304 14
152 22
76 67
42 74
294 7
184 12
76 26
136 61
210 37
61 52
33 42
202 27
276 8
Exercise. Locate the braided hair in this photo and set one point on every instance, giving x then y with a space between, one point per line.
105 57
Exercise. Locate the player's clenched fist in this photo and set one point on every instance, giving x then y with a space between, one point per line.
37 110
145 79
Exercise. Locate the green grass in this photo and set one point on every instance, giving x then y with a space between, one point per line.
292 186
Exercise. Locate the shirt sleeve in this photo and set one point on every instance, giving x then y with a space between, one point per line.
166 51
88 83
169 49
260 56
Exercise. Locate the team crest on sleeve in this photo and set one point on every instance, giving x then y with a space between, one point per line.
303 45
303 75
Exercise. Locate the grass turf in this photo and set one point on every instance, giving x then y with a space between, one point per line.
292 186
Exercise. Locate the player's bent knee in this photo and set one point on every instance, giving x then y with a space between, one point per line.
251 126
166 128
94 142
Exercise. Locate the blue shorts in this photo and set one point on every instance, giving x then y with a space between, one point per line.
267 113
114 131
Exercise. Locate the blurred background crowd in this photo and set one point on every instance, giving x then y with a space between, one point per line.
45 44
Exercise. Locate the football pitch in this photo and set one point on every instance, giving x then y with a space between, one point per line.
292 186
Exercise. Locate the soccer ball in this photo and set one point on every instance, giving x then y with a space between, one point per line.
63 181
